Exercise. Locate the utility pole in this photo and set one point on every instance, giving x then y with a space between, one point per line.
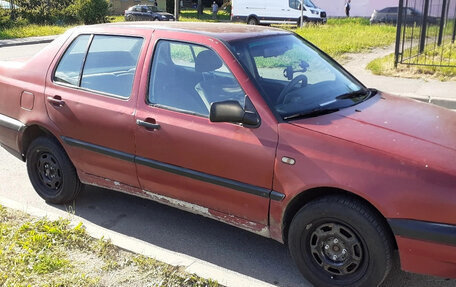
302 14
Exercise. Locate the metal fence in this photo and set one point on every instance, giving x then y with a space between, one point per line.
426 32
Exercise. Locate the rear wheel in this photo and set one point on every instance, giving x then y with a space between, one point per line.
252 21
338 241
51 172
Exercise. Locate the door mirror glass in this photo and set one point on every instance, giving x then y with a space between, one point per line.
232 112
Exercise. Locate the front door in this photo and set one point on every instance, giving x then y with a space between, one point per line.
91 104
225 167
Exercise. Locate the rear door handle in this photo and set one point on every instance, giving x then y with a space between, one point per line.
56 101
149 124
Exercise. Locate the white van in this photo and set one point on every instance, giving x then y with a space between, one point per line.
256 12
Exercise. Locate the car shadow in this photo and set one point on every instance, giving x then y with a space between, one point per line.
206 239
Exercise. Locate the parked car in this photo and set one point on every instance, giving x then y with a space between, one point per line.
251 126
256 12
147 13
389 15
7 5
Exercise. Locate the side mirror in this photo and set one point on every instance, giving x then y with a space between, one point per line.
232 112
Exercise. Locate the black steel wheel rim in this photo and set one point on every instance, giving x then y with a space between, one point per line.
336 250
49 171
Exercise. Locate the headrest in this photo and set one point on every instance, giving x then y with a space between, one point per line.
207 61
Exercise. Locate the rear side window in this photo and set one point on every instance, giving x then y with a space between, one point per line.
70 66
109 65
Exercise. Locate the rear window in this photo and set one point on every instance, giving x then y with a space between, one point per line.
109 66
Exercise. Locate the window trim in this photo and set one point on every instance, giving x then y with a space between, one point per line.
89 44
155 105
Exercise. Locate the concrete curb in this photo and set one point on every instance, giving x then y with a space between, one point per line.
27 41
194 265
442 102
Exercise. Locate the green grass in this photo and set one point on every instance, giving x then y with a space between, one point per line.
40 252
337 37
352 35
31 31
116 19
192 16
385 66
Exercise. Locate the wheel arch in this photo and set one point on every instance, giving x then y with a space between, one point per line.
31 133
307 196
253 16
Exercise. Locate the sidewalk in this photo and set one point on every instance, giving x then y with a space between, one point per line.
432 91
27 41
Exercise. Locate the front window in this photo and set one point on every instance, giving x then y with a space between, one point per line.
188 78
295 4
297 79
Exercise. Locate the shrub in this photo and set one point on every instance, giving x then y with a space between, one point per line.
44 12
91 11
4 18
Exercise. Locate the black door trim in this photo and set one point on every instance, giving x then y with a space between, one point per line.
423 230
229 183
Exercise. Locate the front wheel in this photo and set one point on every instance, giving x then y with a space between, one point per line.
252 21
51 172
338 241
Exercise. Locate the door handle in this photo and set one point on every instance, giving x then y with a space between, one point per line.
56 101
149 124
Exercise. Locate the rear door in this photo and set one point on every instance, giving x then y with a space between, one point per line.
90 99
225 167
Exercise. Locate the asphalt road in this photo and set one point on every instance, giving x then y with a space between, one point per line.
176 230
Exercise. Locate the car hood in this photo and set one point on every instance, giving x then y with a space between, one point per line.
402 127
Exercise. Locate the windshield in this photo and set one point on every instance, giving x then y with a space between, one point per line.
309 4
295 78
296 4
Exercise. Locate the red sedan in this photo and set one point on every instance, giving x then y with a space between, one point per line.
252 126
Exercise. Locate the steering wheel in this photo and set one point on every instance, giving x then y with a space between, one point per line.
283 95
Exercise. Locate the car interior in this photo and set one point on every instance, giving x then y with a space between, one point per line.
191 86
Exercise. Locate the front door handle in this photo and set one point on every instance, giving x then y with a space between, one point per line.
149 124
56 101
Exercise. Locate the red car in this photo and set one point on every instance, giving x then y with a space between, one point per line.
252 126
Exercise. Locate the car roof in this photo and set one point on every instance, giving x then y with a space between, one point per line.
222 31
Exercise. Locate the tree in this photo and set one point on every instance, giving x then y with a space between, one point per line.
200 7
12 10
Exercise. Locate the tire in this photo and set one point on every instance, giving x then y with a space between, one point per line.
252 21
338 241
51 172
156 19
129 18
